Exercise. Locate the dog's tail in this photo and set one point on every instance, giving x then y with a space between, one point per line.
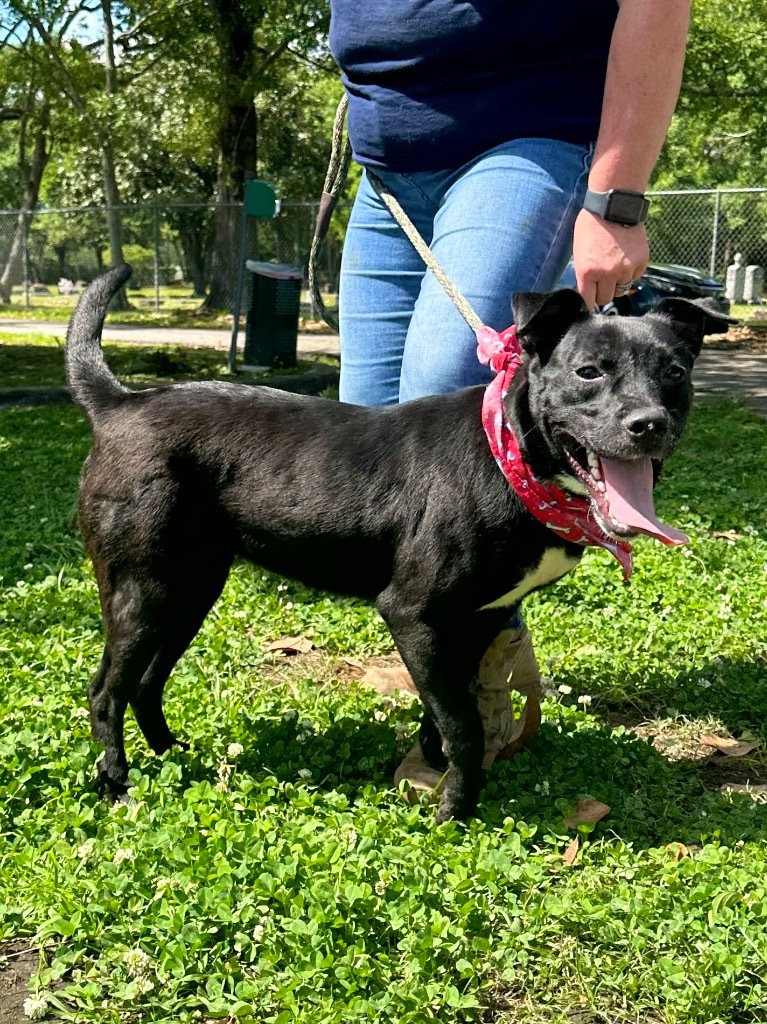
93 385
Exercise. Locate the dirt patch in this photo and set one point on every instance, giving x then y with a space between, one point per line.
18 962
325 668
717 771
746 338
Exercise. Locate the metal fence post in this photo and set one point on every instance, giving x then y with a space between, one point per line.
715 233
25 257
312 220
156 226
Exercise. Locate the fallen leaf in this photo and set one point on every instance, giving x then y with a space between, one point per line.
727 745
678 851
757 792
386 680
587 811
730 535
571 852
291 645
353 662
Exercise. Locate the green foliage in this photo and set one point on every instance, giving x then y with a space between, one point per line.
719 134
271 874
37 360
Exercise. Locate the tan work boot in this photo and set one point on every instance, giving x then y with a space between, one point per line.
508 664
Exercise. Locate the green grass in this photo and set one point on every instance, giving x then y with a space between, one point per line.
287 897
177 309
36 360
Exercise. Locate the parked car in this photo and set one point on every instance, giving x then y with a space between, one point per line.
661 281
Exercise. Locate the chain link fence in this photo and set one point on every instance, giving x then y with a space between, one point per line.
46 257
707 228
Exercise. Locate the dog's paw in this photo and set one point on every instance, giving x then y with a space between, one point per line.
455 808
108 788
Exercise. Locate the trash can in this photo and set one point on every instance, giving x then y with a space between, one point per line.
274 301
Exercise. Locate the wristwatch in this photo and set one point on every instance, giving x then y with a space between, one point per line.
618 206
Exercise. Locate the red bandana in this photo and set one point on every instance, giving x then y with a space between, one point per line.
568 514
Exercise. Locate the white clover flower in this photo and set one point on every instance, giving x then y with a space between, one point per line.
81 712
35 1007
143 985
258 932
290 715
304 773
705 683
401 730
85 850
380 716
349 836
380 887
288 605
584 699
123 854
234 750
545 788
564 688
137 962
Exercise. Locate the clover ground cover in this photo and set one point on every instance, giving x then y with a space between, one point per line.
270 874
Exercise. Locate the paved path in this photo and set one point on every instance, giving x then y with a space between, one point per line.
717 372
308 344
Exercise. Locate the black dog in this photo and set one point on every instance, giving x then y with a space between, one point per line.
403 505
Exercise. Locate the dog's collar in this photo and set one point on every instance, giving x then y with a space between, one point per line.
570 516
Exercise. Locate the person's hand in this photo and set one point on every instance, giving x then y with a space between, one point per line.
606 256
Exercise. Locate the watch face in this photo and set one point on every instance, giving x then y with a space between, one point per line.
625 208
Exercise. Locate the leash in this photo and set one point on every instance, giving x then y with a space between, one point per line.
335 178
566 514
338 168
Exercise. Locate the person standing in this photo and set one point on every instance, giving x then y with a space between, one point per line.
513 133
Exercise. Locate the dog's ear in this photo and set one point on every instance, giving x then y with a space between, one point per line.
693 319
543 319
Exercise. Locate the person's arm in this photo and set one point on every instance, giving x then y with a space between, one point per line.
644 73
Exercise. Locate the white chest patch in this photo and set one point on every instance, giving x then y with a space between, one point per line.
571 483
554 564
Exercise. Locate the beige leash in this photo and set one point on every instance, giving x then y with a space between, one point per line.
338 167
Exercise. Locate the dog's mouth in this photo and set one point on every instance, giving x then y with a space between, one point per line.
620 493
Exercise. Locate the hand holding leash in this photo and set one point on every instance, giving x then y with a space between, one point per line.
607 257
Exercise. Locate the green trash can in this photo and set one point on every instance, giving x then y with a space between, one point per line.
274 302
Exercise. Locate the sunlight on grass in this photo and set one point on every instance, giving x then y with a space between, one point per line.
270 873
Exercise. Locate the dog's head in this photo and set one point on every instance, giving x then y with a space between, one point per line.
604 399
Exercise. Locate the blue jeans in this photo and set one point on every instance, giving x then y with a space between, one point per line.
501 224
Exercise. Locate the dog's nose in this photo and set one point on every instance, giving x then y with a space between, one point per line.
647 423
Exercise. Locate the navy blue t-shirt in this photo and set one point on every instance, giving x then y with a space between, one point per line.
434 83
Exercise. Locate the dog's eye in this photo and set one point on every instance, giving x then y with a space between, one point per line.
675 373
588 372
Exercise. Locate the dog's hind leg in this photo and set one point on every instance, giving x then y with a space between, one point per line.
188 615
149 624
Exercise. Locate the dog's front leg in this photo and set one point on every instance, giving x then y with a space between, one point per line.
442 660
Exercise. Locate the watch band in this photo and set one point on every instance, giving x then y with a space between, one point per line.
618 206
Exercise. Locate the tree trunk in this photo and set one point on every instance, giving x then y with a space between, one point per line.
237 145
31 176
111 191
193 246
114 219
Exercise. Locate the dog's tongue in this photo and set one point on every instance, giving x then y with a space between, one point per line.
628 489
